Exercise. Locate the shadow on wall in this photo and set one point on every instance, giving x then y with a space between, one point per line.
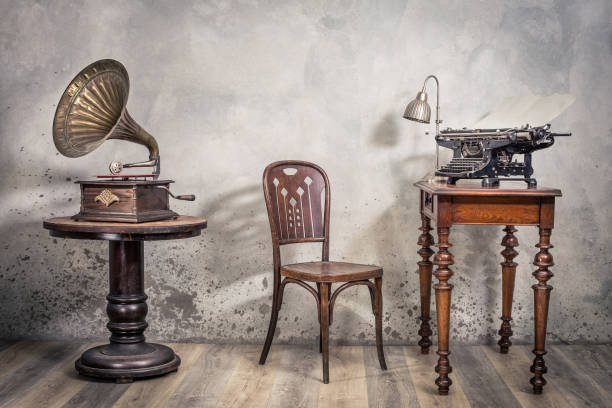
221 304
395 249
386 133
478 281
51 287
56 288
242 242
238 214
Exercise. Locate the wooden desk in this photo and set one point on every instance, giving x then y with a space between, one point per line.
473 204
128 355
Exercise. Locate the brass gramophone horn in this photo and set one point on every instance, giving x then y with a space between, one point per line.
93 109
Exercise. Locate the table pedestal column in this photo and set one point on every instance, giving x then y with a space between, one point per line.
127 356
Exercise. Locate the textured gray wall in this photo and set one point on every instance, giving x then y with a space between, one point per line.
228 87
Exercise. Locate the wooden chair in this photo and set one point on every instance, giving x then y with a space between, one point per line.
293 191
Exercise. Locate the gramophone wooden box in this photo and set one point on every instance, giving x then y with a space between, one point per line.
125 200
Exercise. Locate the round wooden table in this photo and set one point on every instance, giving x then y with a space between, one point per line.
127 356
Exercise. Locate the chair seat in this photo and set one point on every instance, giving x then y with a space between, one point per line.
330 271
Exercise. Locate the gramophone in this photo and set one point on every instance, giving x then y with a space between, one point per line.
91 111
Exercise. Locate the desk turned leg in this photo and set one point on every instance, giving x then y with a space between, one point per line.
508 273
442 260
128 355
541 295
425 268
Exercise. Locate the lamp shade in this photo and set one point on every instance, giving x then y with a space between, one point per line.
418 109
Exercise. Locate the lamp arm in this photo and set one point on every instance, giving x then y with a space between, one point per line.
438 121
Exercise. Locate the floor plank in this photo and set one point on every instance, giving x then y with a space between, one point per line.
250 383
206 379
574 381
57 387
97 394
514 369
21 381
347 383
155 392
595 361
482 385
6 343
298 379
16 355
42 375
422 374
393 387
605 349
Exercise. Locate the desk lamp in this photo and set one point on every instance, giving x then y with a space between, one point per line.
418 110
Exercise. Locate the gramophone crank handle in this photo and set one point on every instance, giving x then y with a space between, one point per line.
184 197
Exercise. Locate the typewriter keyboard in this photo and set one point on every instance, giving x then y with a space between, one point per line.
462 165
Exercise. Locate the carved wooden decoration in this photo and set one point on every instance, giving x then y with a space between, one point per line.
106 198
295 194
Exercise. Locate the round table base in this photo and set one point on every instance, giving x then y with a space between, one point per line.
124 362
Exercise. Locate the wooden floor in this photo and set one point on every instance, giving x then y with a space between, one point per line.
42 375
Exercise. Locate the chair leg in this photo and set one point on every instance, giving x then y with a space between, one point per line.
324 293
378 322
320 331
372 299
276 300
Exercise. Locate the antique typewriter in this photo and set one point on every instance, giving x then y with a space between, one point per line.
489 154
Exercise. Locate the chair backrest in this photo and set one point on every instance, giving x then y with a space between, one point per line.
293 190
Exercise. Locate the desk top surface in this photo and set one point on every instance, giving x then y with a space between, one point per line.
473 188
180 224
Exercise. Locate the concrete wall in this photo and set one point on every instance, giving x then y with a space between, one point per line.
228 87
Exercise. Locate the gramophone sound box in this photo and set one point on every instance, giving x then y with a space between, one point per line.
91 111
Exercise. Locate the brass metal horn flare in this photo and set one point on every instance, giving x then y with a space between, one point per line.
93 109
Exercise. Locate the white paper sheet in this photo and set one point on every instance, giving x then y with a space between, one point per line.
528 109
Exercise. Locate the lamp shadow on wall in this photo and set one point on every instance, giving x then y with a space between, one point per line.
386 133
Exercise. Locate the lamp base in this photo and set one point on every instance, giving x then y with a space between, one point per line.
432 178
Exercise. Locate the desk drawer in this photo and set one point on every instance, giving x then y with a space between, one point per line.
496 210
